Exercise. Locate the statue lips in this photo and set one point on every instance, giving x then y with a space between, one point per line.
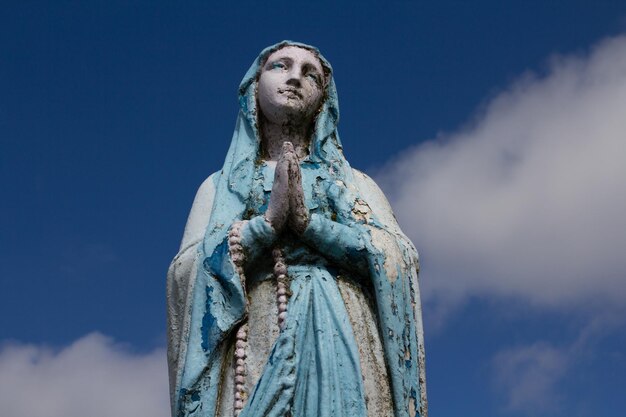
290 92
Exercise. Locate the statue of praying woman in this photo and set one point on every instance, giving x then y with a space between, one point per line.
294 292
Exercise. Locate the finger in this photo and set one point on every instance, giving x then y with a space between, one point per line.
282 165
293 167
287 147
295 179
278 207
281 175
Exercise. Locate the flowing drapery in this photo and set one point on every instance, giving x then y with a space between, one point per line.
205 308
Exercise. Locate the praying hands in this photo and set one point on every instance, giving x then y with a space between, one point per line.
286 206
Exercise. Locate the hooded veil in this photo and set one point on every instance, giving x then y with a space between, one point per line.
206 306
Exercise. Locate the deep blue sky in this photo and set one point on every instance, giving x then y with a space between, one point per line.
112 113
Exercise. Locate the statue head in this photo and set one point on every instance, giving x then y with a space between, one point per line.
291 83
317 119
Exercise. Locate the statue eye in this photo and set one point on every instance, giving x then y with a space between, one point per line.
314 76
278 65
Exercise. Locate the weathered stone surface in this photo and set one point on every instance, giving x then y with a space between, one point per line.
294 290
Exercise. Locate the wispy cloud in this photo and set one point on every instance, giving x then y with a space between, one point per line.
529 200
92 377
530 378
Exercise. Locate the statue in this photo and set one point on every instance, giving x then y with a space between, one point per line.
294 292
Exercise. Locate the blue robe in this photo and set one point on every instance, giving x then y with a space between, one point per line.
313 369
317 355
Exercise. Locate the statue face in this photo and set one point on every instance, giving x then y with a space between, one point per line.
291 85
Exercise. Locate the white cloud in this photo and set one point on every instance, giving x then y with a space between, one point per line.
92 377
530 199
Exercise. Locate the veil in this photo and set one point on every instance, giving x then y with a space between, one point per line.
216 300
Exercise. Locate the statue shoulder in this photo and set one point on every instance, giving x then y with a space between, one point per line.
375 198
370 190
200 211
364 181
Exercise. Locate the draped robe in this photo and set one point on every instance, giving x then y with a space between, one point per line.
365 292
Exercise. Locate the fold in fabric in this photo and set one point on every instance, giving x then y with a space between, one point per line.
215 302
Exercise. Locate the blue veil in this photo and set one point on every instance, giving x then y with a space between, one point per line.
216 300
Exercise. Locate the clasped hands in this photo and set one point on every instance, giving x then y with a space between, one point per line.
286 205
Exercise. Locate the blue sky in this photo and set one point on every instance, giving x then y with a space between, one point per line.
495 129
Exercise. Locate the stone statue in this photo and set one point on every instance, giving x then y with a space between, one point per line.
294 292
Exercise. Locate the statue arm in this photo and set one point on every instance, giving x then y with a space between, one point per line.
382 210
256 236
346 244
184 268
341 243
375 246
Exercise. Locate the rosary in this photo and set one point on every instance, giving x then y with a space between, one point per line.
241 340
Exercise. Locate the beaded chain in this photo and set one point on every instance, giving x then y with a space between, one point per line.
282 293
280 272
236 253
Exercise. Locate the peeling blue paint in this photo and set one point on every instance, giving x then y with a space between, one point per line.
208 321
218 299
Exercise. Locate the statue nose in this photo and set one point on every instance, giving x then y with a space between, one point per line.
294 78
294 81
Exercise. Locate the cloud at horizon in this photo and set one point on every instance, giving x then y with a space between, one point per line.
93 376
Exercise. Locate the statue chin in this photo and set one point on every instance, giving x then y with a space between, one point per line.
291 114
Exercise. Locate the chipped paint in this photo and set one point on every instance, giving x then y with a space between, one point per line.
351 229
